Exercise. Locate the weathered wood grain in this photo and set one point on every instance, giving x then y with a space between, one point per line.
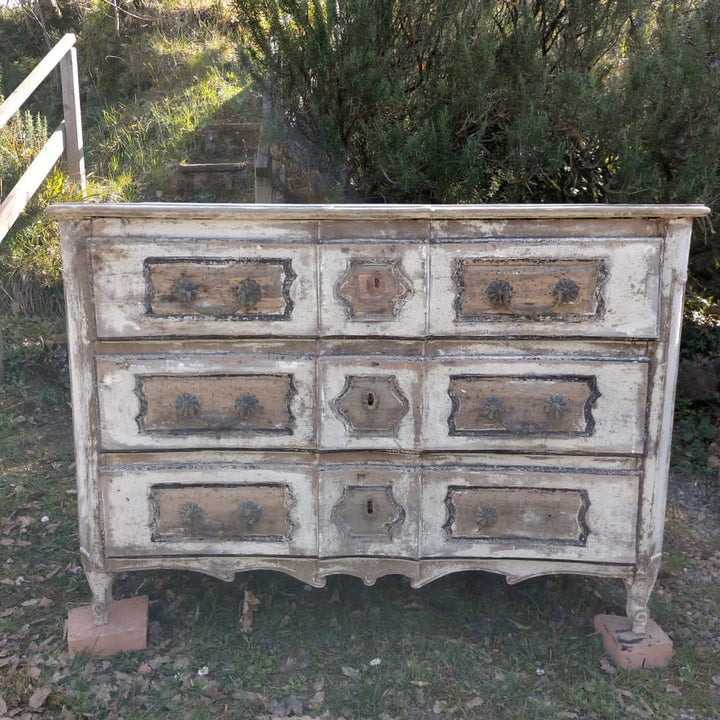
139 398
368 511
141 507
605 400
618 283
600 508
133 285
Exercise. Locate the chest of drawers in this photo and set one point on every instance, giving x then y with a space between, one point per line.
374 389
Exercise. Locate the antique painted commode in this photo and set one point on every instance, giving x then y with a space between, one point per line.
374 389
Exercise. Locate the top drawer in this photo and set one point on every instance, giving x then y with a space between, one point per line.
521 287
203 288
581 287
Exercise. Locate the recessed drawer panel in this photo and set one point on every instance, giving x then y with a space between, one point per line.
205 401
249 403
369 511
527 513
208 509
552 404
373 289
173 288
369 404
586 288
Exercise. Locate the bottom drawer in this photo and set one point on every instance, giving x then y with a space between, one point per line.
368 511
209 509
529 513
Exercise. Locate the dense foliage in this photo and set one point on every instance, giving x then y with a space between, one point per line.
496 100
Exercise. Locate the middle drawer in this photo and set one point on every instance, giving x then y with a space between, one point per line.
206 400
463 403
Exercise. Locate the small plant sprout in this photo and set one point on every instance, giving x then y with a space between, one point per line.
203 671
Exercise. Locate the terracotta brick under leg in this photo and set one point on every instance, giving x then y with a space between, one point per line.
126 629
630 651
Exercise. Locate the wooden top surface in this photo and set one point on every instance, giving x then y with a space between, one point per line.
228 211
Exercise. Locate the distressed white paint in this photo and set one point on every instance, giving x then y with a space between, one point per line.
119 404
127 510
120 288
405 483
619 412
409 320
631 348
630 291
332 377
611 516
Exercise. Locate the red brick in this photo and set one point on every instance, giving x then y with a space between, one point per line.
126 629
630 651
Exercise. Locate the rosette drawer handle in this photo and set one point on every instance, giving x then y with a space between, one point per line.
500 292
492 408
486 515
190 513
248 293
556 405
249 513
245 408
184 290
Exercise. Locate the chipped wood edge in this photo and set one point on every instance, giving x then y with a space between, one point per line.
184 211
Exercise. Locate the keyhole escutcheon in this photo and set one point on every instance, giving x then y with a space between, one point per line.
374 285
369 507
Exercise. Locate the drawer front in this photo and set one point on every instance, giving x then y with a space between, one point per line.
541 404
207 509
373 289
582 288
177 288
205 401
369 404
368 511
527 513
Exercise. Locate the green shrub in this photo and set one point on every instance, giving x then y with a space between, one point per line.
496 101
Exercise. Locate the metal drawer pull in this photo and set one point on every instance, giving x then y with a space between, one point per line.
190 513
486 515
186 405
499 292
246 406
249 512
492 407
248 291
556 405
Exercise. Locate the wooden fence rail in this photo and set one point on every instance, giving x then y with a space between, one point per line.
67 137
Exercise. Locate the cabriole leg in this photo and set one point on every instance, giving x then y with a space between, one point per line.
101 585
639 588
